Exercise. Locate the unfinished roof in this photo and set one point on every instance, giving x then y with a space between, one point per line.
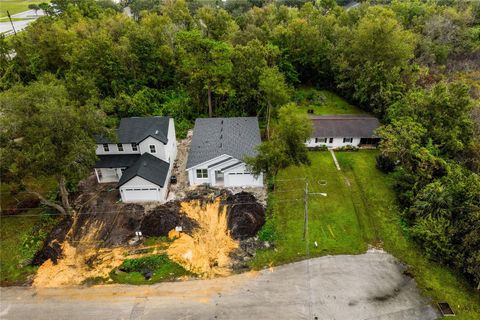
149 168
212 137
116 160
362 126
136 129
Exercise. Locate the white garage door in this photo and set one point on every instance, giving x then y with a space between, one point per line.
240 179
140 194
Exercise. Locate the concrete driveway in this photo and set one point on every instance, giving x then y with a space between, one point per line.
370 286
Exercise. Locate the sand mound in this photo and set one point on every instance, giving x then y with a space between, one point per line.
206 251
76 266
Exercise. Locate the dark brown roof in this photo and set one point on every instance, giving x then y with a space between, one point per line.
361 126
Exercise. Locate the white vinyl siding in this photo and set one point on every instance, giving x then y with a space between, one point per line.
113 149
160 149
236 176
333 142
141 190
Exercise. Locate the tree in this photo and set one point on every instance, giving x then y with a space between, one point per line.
216 24
206 64
275 91
445 218
249 62
34 6
286 146
45 135
372 58
444 110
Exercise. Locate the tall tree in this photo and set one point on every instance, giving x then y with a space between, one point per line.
287 144
275 90
45 135
205 64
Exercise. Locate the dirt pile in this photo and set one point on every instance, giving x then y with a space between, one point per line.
207 250
245 215
163 218
77 265
52 249
102 220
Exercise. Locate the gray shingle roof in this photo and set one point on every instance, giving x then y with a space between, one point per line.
149 168
362 126
212 137
116 160
136 129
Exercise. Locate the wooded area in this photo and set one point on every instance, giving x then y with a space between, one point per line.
413 64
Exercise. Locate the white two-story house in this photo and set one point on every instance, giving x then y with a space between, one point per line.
140 160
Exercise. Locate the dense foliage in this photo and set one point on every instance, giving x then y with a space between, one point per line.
400 60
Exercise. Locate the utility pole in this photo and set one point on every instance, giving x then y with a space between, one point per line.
10 18
305 210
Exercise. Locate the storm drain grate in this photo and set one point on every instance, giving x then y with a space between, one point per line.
445 309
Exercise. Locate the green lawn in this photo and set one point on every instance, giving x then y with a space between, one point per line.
163 269
12 230
323 102
22 233
20 238
15 6
352 216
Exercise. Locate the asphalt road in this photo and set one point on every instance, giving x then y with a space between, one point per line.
29 15
371 286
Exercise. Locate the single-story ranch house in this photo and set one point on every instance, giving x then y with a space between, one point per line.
337 131
141 160
218 148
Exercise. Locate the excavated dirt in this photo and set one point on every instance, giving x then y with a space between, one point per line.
161 220
245 215
95 239
51 249
207 250
78 265
179 168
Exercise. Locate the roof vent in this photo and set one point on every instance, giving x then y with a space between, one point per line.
144 163
156 131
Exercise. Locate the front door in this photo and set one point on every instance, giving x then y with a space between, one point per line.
219 178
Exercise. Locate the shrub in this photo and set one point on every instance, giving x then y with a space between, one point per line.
318 148
384 163
347 148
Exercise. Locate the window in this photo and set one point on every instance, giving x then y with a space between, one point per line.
320 140
134 147
105 147
152 148
330 140
120 147
347 140
202 173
